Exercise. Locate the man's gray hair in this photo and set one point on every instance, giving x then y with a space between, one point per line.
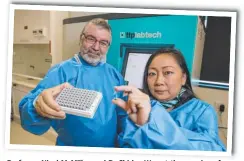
98 22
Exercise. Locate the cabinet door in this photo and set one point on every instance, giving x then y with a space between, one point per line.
18 92
20 33
26 21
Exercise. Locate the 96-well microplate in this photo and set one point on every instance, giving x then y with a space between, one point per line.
80 102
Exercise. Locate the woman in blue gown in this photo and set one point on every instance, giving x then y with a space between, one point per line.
167 114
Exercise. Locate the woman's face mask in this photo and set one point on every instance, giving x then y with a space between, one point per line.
165 77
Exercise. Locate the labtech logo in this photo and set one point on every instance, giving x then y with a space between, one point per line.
140 35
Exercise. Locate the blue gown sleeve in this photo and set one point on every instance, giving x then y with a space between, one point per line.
30 120
121 114
162 132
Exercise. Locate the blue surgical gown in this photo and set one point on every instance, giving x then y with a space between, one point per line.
191 126
101 130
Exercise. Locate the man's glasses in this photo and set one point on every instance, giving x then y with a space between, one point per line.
92 40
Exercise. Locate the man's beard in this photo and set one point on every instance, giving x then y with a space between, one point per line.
91 58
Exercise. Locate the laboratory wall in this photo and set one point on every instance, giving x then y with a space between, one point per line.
56 35
31 48
31 59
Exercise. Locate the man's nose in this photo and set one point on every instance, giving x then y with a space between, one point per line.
96 45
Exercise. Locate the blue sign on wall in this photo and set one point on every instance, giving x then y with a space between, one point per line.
171 29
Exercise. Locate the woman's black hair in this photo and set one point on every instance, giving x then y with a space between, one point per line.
179 59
